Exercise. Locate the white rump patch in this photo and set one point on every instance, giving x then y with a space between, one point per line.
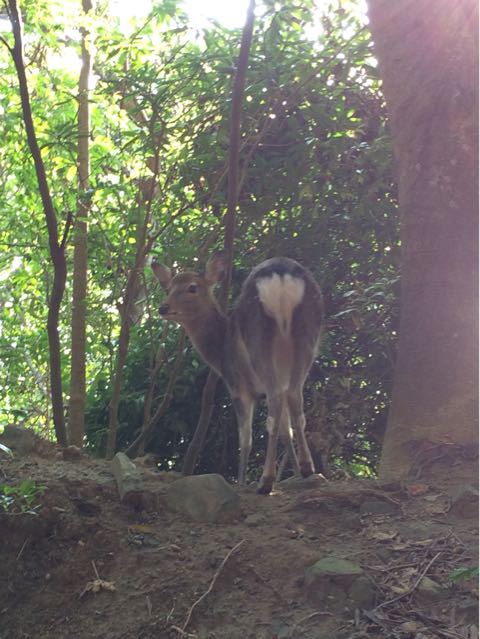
280 295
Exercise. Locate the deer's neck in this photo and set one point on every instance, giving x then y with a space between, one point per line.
208 334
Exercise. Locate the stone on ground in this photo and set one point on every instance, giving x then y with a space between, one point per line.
128 478
205 498
336 584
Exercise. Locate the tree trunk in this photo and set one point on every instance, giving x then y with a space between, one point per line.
137 447
76 413
129 300
57 249
428 52
208 396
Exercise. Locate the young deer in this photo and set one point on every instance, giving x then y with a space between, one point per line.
265 347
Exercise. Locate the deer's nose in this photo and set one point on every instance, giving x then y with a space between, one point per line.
163 310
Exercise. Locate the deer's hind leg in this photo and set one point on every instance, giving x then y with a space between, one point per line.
287 440
277 406
244 406
295 405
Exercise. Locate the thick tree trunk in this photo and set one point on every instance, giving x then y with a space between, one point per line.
76 413
57 249
428 52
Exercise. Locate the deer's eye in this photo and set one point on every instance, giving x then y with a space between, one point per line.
192 288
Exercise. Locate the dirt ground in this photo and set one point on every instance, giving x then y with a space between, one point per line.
88 566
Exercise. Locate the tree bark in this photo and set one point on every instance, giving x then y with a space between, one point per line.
76 413
208 396
57 249
428 52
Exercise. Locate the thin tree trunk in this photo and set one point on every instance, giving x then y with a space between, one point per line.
128 312
129 300
208 395
76 413
428 55
158 361
57 249
138 445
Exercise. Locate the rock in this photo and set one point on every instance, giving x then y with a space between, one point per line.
362 593
464 503
337 583
350 521
377 507
256 519
205 498
71 453
24 441
129 480
301 483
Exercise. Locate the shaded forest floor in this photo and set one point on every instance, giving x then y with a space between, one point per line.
89 566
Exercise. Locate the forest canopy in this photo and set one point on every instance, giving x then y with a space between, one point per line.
316 184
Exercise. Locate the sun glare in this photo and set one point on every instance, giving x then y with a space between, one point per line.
200 12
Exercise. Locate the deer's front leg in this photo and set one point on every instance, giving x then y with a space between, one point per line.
244 406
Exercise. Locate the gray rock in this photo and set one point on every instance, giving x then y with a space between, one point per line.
464 503
128 478
377 507
256 519
71 453
338 583
302 483
362 593
205 498
22 441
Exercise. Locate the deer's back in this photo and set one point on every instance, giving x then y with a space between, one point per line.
275 326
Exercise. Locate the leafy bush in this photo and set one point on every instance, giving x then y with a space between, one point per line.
20 499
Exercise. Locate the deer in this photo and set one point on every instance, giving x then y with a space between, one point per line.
264 347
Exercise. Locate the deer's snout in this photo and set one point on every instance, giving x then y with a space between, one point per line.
164 309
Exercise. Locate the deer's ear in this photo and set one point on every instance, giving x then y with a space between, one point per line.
216 267
162 273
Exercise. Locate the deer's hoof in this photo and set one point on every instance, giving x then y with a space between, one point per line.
265 486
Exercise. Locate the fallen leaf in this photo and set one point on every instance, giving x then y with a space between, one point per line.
408 626
422 542
140 528
414 490
380 535
96 585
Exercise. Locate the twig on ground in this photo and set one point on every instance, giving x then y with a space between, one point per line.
95 570
181 632
20 553
415 585
210 587
307 618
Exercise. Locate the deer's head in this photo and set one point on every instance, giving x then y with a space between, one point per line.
190 294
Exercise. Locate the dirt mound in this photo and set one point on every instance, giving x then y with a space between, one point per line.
314 560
